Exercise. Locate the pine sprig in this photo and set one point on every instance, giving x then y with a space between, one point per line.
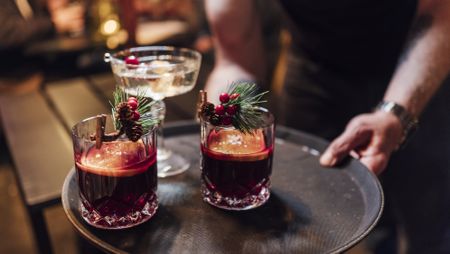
249 117
119 96
248 93
146 120
240 107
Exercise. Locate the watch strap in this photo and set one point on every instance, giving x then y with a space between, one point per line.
408 121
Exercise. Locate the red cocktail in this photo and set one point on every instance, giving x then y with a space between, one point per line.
236 166
117 181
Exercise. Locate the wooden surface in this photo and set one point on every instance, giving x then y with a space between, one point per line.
74 100
40 146
37 128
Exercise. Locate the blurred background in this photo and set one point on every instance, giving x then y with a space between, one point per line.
50 43
69 37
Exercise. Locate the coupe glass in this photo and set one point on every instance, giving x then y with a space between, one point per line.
158 72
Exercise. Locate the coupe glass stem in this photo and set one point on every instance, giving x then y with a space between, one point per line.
159 111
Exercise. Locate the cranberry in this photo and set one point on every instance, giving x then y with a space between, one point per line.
226 120
234 96
232 109
133 104
136 116
131 60
224 97
219 109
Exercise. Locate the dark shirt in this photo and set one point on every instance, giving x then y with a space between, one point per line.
354 37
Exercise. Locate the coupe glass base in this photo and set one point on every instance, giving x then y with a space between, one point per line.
170 163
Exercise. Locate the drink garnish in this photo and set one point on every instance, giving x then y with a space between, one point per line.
131 60
238 107
131 117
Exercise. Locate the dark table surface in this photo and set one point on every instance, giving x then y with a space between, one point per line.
311 209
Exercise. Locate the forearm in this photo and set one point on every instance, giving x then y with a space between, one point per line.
239 52
426 62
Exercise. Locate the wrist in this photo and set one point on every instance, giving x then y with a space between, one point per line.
407 120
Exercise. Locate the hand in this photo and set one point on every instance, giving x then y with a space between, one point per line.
369 137
68 19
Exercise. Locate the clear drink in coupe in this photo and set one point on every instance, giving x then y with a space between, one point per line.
157 72
157 77
118 181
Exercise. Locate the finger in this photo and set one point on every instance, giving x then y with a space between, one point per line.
342 145
354 154
376 163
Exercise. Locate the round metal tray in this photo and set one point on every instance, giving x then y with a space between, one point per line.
311 209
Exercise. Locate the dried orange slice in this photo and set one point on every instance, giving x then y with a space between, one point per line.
119 159
237 146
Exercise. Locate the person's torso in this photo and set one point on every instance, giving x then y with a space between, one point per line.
352 36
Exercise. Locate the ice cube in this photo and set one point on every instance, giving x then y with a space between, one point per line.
164 83
115 155
236 142
160 67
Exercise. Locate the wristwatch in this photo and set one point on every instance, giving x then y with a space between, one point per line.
408 121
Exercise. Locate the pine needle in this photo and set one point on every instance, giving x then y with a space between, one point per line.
249 117
147 120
